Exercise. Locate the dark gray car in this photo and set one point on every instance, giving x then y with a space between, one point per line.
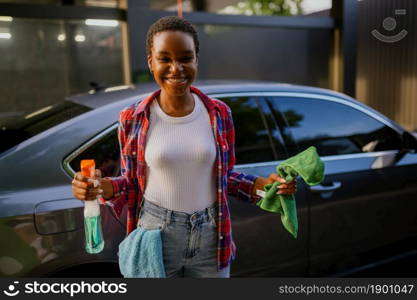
364 212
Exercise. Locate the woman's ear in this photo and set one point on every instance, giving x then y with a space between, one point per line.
149 59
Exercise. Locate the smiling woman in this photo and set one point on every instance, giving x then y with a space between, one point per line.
172 58
173 62
177 159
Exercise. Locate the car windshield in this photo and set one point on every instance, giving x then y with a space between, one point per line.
18 129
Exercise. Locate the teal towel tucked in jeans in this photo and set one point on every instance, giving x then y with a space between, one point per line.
140 254
310 167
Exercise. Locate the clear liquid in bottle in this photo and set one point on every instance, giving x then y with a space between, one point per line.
94 242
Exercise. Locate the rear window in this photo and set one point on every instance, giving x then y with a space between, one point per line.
16 130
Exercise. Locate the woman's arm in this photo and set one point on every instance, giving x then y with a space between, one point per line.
239 185
118 190
244 186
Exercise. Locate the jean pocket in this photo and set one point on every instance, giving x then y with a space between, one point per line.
150 222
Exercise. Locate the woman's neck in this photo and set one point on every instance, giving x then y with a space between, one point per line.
176 106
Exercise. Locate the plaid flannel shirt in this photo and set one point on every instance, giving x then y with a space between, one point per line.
129 187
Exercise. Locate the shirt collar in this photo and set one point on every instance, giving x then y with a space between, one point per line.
144 105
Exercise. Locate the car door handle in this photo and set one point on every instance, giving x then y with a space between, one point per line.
323 189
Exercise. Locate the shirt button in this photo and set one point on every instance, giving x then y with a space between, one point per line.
221 237
220 214
134 153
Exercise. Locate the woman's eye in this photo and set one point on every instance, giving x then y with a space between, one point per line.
163 59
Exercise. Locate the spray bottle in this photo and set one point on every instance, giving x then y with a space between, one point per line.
94 242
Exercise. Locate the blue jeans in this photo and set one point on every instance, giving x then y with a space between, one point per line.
189 240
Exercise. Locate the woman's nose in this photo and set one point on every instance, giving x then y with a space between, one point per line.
176 67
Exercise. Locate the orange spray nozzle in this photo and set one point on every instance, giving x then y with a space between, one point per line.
88 167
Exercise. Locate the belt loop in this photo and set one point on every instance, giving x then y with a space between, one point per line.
210 213
168 216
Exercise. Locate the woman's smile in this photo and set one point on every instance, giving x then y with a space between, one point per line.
176 80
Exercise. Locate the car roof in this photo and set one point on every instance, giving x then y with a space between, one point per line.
96 99
132 93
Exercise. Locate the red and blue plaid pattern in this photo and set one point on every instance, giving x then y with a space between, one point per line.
128 188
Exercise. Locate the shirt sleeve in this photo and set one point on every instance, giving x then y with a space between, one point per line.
125 187
239 184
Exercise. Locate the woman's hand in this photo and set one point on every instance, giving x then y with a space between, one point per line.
86 188
285 188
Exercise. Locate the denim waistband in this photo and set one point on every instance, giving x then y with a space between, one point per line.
203 215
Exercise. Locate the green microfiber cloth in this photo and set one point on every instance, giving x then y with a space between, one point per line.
310 167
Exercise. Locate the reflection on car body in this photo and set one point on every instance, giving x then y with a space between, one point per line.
364 211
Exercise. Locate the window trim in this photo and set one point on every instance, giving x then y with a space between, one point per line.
326 159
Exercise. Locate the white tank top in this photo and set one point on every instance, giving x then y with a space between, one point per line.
180 153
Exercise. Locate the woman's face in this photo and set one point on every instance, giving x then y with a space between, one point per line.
173 61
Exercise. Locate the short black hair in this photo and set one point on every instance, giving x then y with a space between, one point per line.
171 23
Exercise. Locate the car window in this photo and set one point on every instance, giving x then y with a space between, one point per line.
280 134
15 130
252 140
334 128
105 152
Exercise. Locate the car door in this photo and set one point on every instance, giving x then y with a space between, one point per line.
365 209
264 247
